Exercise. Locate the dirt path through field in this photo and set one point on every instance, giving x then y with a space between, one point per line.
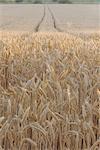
54 20
41 21
57 18
47 24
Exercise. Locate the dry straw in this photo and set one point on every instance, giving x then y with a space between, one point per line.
49 91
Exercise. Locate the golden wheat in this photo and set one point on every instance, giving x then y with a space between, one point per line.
49 91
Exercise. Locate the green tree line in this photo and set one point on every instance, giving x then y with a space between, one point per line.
49 1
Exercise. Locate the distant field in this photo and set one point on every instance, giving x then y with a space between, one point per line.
27 17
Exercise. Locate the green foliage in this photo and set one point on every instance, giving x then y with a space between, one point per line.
50 1
55 0
64 2
18 1
37 2
7 1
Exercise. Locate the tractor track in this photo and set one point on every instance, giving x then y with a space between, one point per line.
41 21
61 30
54 21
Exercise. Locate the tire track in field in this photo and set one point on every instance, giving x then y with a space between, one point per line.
80 35
54 21
41 21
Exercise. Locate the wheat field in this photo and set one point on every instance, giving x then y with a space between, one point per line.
49 91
